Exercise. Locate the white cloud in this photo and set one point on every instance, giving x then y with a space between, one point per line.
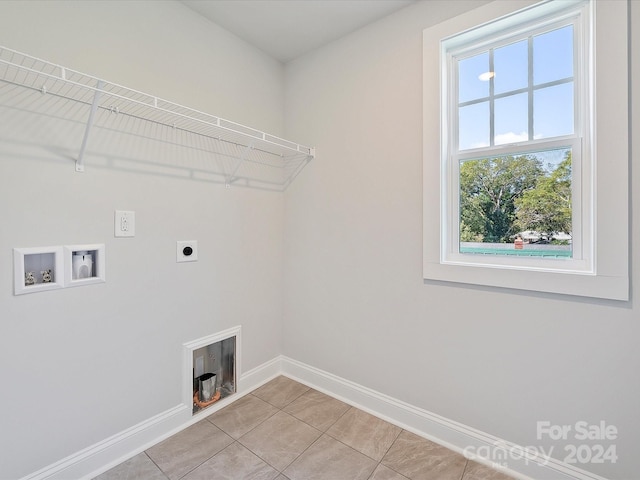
511 137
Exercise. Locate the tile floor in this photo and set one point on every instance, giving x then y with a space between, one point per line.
287 431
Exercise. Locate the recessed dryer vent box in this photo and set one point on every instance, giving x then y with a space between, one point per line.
84 264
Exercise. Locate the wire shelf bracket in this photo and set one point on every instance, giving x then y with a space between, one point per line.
92 114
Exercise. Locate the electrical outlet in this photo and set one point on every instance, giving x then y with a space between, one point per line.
187 251
125 224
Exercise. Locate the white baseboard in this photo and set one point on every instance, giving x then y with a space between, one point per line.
100 457
521 464
111 451
260 375
114 450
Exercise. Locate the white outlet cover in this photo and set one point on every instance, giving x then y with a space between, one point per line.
124 224
182 254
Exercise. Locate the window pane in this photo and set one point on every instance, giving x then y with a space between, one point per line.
470 87
511 119
553 55
473 126
553 111
510 64
521 197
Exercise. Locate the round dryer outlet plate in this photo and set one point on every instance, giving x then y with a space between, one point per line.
186 251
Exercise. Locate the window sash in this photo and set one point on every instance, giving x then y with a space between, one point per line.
582 223
581 258
524 32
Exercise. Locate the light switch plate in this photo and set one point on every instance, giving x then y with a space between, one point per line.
125 224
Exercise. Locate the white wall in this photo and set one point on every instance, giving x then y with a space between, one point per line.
355 301
81 364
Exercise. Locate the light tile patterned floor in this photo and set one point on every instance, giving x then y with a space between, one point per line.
287 431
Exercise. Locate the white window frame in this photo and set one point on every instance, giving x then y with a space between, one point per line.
467 44
599 266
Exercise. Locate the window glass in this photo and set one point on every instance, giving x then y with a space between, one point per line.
511 119
553 55
518 205
511 67
553 111
470 87
474 126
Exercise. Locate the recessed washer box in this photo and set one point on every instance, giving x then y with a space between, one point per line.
37 269
186 251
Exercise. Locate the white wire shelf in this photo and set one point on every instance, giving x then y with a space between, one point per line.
194 143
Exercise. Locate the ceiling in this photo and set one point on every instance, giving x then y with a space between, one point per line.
286 29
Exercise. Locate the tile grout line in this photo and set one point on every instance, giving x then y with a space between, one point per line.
266 461
464 470
325 432
322 433
302 453
157 466
317 410
278 410
209 458
250 430
385 454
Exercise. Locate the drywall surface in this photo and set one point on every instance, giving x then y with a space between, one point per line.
158 47
81 364
356 304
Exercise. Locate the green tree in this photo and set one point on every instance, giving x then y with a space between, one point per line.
489 189
547 208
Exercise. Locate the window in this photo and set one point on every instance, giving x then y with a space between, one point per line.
516 103
521 154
